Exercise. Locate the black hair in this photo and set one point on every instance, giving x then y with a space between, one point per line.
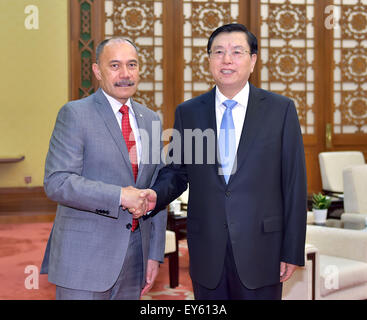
106 41
232 27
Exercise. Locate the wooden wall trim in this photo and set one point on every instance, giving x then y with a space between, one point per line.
86 32
173 59
27 199
249 16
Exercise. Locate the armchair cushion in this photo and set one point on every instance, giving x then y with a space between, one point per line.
355 221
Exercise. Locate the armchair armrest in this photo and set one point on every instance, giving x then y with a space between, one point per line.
343 243
355 221
304 283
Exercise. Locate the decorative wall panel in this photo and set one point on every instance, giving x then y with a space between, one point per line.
200 20
350 67
86 48
141 22
287 54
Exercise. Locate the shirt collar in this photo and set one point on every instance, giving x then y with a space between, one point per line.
116 105
241 97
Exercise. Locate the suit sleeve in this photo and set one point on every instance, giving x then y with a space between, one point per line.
294 184
63 180
159 223
172 179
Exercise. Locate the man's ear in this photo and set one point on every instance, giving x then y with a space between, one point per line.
253 61
96 71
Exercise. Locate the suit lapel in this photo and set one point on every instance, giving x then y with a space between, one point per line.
251 127
209 120
145 137
207 112
104 109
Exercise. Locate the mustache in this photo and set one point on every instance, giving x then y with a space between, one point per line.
124 83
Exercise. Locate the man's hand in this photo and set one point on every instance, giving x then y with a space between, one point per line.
286 271
151 197
131 199
152 272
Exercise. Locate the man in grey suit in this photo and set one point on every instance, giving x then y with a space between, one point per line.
97 249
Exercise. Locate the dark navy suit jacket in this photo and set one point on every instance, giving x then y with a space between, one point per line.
263 207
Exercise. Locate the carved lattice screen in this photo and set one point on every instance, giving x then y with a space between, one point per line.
350 69
142 22
201 18
287 54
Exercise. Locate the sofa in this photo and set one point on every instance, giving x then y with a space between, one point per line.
339 268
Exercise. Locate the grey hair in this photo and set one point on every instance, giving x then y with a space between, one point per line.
101 46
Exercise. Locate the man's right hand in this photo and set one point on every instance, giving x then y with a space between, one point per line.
131 200
138 201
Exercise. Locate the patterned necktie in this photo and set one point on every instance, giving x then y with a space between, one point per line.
131 147
227 140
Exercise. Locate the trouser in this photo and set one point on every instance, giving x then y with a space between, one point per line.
230 286
129 282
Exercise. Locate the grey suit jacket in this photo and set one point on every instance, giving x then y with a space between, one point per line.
86 166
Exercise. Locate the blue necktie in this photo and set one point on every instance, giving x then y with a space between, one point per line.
227 140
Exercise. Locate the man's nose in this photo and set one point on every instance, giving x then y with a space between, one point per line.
124 72
227 58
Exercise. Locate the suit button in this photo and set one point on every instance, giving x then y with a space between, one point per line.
226 226
128 226
228 193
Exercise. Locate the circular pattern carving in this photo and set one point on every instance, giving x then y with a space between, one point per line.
200 66
358 65
287 21
134 18
358 108
354 65
354 22
287 64
355 108
208 16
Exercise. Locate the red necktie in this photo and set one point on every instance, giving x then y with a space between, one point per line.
131 147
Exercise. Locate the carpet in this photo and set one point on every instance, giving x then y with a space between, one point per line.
22 247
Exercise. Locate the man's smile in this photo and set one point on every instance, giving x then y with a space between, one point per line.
227 71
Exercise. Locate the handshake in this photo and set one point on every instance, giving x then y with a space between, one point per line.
138 201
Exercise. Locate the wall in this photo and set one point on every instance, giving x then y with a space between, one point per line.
34 84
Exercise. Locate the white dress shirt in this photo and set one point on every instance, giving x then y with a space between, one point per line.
238 111
116 105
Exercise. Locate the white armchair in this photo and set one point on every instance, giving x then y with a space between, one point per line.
338 270
342 262
355 197
332 165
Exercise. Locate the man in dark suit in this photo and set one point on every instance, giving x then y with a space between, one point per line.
96 249
246 217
